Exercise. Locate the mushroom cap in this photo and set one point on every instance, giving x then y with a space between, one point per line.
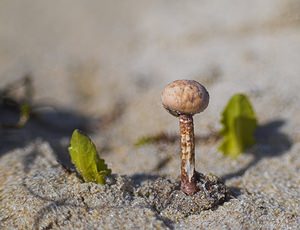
185 97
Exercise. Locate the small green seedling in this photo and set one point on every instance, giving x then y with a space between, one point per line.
158 138
84 156
25 110
239 124
18 95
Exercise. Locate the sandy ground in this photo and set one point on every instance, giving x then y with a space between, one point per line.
104 64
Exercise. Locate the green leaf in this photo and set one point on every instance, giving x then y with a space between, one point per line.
86 160
25 111
239 124
146 140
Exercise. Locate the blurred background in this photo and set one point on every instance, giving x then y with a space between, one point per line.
113 58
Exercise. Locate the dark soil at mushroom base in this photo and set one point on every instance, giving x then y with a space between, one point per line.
165 196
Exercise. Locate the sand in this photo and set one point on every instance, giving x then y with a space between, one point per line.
101 67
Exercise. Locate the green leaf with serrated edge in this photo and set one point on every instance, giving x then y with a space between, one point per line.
239 124
86 160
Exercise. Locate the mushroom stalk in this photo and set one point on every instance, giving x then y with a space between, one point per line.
188 175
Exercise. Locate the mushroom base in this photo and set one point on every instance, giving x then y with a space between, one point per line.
189 187
171 203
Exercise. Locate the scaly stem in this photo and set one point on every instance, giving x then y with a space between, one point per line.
188 175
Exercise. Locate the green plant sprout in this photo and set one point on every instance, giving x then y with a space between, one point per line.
25 110
151 139
239 124
84 156
18 95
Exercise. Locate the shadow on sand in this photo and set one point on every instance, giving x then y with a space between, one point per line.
271 142
53 125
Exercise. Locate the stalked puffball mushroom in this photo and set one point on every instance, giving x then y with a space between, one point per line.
183 99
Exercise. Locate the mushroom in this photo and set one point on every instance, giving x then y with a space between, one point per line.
183 99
